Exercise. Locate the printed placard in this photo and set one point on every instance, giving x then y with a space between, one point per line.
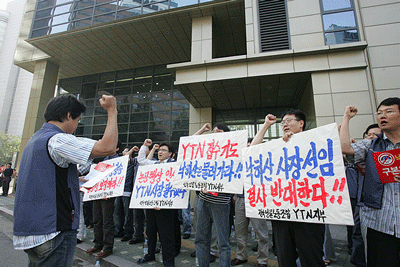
299 180
111 185
153 188
211 161
387 164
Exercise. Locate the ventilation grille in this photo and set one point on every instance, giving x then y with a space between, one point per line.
273 25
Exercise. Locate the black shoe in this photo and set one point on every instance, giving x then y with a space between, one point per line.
125 238
78 241
237 261
212 258
186 236
135 241
146 258
193 254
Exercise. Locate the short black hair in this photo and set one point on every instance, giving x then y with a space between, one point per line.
59 106
300 116
389 102
170 148
222 127
372 126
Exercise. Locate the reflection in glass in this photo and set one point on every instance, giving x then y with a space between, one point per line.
139 127
59 28
180 104
60 2
122 128
100 120
337 4
159 137
61 19
338 21
341 37
62 9
83 13
123 108
43 13
41 23
107 8
180 3
104 18
89 90
83 4
160 116
44 4
155 7
129 3
82 23
122 91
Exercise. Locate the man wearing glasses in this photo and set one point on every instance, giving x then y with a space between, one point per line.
381 213
294 239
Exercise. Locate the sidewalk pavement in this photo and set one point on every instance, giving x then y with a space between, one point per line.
127 255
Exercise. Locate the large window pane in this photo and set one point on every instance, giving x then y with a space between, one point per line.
62 9
339 21
38 33
59 28
179 3
43 13
104 18
103 9
337 4
44 4
341 37
41 23
129 13
61 19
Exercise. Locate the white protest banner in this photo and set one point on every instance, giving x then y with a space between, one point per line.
96 174
211 161
113 184
299 180
153 188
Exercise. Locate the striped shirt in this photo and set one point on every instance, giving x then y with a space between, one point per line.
387 218
64 149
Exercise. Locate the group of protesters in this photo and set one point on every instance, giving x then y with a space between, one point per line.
374 239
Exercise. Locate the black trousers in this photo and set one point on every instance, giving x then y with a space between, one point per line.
382 249
299 239
6 185
103 211
166 223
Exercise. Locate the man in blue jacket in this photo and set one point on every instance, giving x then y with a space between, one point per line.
381 213
46 211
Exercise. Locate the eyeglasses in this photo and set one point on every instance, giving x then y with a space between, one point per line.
389 112
287 121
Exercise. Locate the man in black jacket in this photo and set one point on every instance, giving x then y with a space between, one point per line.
8 172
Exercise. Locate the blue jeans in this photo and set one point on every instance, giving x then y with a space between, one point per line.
187 222
207 214
123 217
58 251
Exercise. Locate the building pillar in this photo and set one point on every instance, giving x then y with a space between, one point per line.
198 117
42 90
201 39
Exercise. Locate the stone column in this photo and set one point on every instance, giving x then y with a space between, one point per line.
201 39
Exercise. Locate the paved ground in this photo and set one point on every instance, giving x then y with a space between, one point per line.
127 255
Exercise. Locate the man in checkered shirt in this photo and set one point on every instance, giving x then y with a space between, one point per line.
381 213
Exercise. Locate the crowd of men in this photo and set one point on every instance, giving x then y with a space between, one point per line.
47 200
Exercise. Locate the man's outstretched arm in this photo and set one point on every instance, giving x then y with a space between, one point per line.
344 133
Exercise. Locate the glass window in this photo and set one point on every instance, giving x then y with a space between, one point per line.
83 13
337 4
139 127
90 78
100 120
157 96
41 32
41 23
180 104
104 18
62 9
59 28
43 13
103 9
139 117
339 22
60 2
155 7
123 108
129 13
137 137
177 95
122 128
122 99
100 111
160 115
89 90
180 3
123 82
82 23
122 91
342 20
44 4
176 135
83 4
129 3
61 19
105 1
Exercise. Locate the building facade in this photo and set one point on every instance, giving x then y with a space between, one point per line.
15 83
174 65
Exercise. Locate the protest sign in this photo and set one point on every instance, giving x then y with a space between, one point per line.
387 164
299 180
112 185
153 188
211 161
97 173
